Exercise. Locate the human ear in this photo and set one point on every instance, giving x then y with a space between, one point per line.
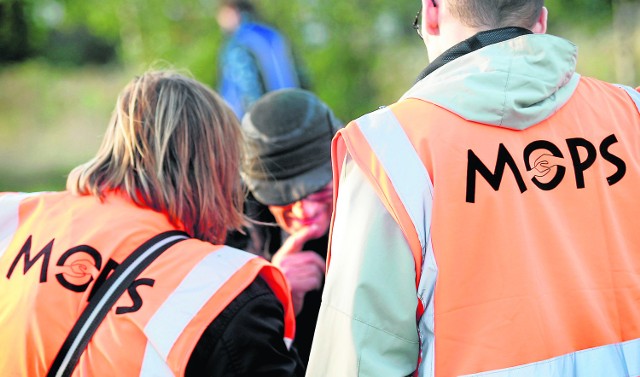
540 27
431 17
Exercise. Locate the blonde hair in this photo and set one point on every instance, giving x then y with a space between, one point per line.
172 145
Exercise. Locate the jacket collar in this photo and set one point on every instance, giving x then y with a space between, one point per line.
515 83
476 42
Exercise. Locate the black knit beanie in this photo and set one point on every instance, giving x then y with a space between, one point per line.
288 136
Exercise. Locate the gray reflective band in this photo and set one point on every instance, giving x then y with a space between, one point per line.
9 217
412 183
194 291
106 297
613 360
634 94
403 166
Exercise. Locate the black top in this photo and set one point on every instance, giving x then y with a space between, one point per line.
307 318
269 240
246 339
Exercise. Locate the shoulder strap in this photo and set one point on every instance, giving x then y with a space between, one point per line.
633 93
106 296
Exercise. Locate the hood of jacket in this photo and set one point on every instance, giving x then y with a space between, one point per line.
512 84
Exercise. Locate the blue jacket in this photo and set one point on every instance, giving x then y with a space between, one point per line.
256 59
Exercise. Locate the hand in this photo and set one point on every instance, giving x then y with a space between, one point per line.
304 270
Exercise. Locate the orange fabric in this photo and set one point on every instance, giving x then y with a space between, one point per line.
181 352
49 310
527 276
39 334
338 153
282 290
354 140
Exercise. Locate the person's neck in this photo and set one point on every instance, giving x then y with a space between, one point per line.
450 34
473 43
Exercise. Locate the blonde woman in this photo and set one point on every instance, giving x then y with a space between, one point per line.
167 174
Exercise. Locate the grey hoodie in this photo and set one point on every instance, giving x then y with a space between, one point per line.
513 84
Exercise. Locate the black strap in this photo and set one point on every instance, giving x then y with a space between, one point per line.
105 297
476 42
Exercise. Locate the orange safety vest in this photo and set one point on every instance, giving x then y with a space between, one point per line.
526 246
54 250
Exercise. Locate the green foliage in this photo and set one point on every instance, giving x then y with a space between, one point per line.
335 40
180 32
339 42
14 41
53 119
357 55
587 15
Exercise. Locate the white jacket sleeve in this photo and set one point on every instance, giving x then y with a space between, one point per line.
367 321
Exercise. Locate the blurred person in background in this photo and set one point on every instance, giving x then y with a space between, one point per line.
255 58
287 168
486 223
166 175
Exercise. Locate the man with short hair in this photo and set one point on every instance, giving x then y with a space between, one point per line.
485 224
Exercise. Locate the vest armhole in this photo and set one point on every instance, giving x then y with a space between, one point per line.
634 94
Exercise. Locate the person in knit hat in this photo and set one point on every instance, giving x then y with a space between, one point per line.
287 169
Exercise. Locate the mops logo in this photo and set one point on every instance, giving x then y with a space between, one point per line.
76 270
545 164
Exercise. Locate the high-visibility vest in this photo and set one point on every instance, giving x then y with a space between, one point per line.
55 248
526 244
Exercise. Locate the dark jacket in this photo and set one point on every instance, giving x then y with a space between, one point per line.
229 347
268 241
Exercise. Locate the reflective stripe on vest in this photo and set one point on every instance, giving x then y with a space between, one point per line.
381 130
166 325
502 308
634 94
613 360
94 318
393 149
160 320
9 219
